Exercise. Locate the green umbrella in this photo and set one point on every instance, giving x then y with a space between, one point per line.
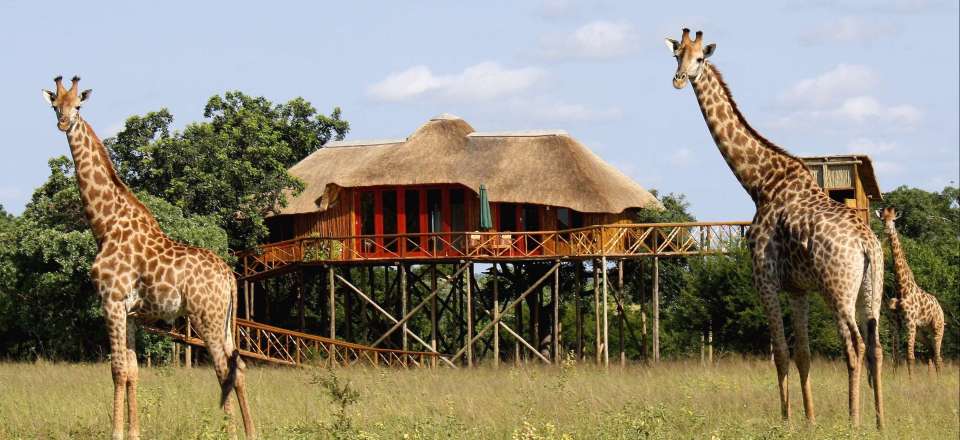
486 221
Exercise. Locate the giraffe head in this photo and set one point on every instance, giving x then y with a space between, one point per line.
888 216
66 103
691 57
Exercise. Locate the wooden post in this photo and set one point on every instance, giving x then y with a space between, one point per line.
518 314
403 300
577 290
469 312
496 316
433 312
246 299
606 323
188 352
175 356
645 348
332 302
656 309
621 311
555 299
596 310
535 318
348 310
710 345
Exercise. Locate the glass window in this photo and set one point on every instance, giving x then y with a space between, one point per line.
390 218
563 219
412 212
367 213
507 216
458 210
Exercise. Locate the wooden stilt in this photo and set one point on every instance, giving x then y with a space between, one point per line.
535 318
620 313
246 299
577 291
175 356
606 322
469 311
301 301
496 316
518 314
656 309
403 300
645 348
555 300
433 311
597 336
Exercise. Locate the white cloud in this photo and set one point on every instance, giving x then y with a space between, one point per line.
484 81
840 95
843 80
849 30
595 40
870 147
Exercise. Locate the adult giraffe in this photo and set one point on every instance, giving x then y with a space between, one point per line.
918 308
140 273
801 241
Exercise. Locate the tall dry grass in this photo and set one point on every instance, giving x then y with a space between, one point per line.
676 399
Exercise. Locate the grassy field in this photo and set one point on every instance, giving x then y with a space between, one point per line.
735 399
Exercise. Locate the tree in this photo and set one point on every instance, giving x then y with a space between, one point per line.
233 166
52 309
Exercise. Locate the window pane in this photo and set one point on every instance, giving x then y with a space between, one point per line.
390 218
563 218
412 213
434 216
507 216
367 226
458 211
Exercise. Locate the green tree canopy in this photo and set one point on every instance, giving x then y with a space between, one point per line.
232 166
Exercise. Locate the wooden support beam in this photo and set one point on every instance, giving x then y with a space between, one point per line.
332 302
555 300
620 312
606 322
389 316
518 338
656 309
188 349
403 301
496 316
596 311
301 306
577 293
469 310
517 314
515 301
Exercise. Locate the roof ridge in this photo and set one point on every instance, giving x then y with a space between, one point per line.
363 143
520 133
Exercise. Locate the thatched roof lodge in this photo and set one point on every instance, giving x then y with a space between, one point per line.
429 182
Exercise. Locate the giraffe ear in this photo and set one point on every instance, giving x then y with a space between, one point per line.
84 95
672 44
707 51
48 96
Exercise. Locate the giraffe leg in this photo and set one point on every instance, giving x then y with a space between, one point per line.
937 344
133 376
781 354
855 348
911 344
875 363
800 308
115 315
212 334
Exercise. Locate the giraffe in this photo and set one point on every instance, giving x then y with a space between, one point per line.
918 308
142 275
800 242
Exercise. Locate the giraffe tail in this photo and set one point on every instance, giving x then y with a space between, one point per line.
872 291
233 354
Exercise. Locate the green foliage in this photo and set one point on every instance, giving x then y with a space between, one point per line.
48 302
233 166
929 229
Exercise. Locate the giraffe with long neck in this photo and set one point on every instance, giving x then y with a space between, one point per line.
141 274
801 241
918 308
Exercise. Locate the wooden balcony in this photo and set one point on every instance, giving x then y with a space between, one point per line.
612 241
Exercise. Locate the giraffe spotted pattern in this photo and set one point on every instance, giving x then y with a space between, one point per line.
143 275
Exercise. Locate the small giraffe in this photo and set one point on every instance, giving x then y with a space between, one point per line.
140 273
801 241
919 308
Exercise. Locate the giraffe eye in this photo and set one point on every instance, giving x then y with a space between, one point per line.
699 60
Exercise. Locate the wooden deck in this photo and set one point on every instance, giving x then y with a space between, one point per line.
622 241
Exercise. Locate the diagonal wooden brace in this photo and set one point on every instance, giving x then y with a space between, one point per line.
391 318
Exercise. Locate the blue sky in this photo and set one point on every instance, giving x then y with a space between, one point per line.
817 77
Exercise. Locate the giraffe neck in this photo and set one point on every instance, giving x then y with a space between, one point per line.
901 270
764 170
106 200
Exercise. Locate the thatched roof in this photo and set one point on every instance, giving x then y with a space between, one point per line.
541 167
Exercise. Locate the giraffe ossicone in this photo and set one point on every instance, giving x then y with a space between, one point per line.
801 241
142 275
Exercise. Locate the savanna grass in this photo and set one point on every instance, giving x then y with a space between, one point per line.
676 399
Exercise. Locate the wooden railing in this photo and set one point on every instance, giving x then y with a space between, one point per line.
619 240
286 347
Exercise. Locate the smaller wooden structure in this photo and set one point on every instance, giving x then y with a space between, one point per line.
848 179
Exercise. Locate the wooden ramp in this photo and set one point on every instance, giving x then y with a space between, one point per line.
287 347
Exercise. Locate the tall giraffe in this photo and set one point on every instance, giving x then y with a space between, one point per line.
919 308
141 274
801 241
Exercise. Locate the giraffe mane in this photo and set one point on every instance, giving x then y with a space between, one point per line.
743 121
